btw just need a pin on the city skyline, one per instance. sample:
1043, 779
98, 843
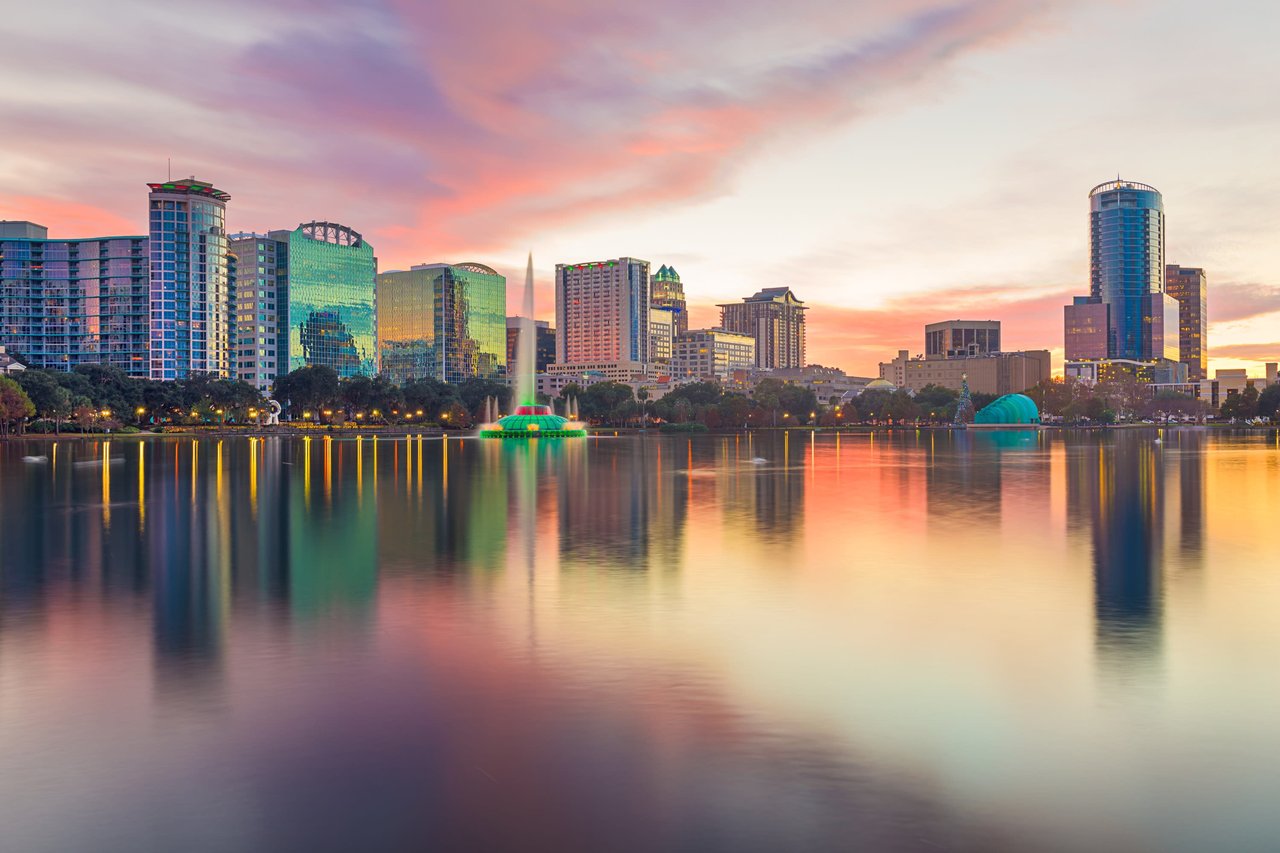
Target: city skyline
817, 167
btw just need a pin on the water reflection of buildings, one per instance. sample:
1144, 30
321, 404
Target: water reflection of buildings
759, 482
621, 504
441, 508
1117, 485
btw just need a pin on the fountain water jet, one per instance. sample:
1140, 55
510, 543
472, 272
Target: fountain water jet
531, 419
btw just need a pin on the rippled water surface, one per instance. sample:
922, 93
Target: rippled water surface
907, 641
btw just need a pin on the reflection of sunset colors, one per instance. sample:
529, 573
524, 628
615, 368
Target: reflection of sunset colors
866, 154
744, 641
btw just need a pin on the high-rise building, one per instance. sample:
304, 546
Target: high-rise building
1188, 285
602, 313
961, 338
191, 299
1127, 316
775, 318
662, 334
69, 302
711, 353
1126, 264
544, 344
668, 293
442, 321
332, 312
262, 307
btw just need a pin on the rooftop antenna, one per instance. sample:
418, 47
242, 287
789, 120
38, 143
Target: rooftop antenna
169, 160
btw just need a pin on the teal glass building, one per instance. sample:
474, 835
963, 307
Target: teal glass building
442, 321
332, 313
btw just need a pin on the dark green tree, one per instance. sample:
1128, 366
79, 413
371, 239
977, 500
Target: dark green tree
307, 389
429, 396
606, 402
1269, 401
1241, 405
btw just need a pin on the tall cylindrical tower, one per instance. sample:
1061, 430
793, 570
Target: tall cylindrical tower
1126, 259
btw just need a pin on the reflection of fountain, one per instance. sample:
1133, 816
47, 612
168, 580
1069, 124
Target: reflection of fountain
531, 419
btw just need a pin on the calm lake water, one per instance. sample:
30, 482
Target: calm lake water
907, 641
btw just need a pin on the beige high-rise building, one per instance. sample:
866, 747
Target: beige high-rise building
775, 318
602, 313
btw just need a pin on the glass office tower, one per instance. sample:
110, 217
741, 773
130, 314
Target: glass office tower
442, 321
191, 298
1126, 264
332, 314
69, 302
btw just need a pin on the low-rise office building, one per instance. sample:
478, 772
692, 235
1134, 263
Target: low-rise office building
992, 373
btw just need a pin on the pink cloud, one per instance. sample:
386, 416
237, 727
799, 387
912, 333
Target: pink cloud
68, 219
448, 129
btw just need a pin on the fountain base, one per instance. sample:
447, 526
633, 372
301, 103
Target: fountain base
533, 422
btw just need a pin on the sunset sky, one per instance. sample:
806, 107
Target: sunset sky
895, 162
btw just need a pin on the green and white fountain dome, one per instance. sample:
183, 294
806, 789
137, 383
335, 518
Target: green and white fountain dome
535, 421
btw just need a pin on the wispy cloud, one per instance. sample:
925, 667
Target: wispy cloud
1240, 301
440, 128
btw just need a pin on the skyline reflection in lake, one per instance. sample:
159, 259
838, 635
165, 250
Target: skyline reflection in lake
891, 641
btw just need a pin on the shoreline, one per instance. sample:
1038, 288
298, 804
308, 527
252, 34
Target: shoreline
471, 432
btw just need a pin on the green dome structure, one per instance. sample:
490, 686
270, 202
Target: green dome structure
1009, 410
534, 422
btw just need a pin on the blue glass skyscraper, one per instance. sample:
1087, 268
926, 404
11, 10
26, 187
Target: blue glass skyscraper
191, 293
1126, 264
1127, 315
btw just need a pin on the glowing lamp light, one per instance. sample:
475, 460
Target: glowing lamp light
306, 416
328, 412
106, 413
532, 427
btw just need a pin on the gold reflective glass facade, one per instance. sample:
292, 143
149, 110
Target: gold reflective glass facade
442, 321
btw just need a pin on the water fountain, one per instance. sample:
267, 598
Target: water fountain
531, 419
